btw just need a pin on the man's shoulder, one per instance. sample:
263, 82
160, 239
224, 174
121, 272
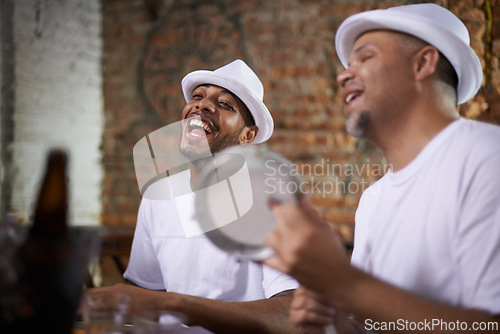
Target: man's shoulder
477, 139
479, 131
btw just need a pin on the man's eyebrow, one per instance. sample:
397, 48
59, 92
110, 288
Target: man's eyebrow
202, 85
230, 93
360, 48
225, 91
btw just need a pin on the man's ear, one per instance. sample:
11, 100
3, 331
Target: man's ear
426, 62
248, 134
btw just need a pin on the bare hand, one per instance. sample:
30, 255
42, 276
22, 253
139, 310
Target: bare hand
140, 299
311, 313
306, 247
309, 309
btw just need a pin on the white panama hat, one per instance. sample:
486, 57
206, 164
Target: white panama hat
429, 22
238, 78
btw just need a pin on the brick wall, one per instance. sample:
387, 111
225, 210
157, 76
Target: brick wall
51, 97
149, 45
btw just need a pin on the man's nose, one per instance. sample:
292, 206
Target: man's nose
206, 104
344, 77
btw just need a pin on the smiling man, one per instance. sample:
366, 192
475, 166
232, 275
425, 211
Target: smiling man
223, 108
426, 253
174, 266
232, 124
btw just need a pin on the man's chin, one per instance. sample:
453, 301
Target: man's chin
193, 153
356, 124
355, 131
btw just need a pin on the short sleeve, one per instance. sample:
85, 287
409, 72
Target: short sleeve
143, 268
361, 253
478, 238
275, 282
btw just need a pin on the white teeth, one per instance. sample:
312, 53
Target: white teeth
350, 97
201, 124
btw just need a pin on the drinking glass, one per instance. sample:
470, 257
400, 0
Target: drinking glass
105, 312
160, 322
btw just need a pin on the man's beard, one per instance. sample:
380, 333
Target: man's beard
218, 145
356, 124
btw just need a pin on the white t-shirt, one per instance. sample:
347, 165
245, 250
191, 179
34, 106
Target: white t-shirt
168, 254
433, 227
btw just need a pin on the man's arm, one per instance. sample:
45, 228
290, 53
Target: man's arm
260, 316
376, 303
312, 314
309, 250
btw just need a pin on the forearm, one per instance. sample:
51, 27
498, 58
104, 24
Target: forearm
261, 316
377, 303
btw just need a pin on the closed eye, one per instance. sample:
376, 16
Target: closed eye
363, 53
365, 58
197, 96
226, 105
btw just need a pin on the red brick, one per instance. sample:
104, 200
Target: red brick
337, 217
290, 45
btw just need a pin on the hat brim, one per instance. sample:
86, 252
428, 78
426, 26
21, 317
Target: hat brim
461, 56
259, 111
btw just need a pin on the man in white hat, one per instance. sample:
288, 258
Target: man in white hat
177, 269
427, 248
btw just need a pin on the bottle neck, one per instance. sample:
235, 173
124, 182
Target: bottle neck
51, 210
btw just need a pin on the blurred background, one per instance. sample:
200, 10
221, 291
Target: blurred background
95, 76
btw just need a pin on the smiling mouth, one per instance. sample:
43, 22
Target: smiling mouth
351, 97
199, 128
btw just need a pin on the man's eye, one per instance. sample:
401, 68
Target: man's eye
366, 57
226, 105
197, 96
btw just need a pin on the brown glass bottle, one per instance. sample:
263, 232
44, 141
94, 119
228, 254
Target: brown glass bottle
52, 272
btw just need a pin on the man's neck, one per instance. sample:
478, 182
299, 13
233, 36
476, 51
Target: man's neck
196, 167
402, 144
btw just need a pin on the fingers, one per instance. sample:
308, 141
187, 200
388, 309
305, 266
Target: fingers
308, 299
305, 202
272, 203
275, 262
310, 309
303, 317
305, 246
312, 329
292, 228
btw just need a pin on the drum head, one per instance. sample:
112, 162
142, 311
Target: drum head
232, 198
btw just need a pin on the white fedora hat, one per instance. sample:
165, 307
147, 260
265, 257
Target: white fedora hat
238, 78
429, 22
